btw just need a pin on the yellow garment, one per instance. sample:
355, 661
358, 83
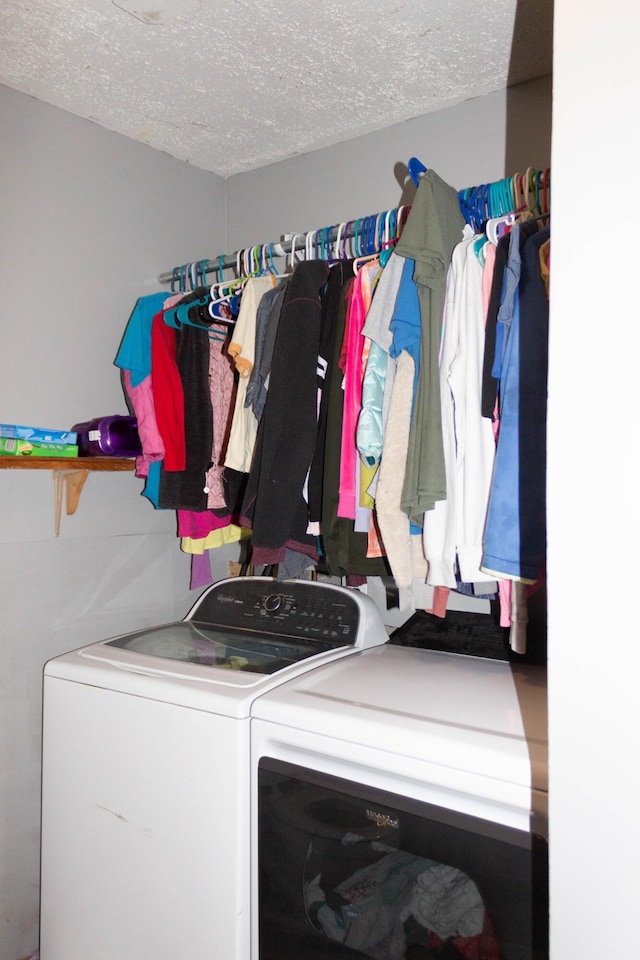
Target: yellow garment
545, 264
217, 538
367, 474
243, 341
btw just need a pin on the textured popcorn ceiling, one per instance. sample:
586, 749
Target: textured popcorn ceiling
231, 85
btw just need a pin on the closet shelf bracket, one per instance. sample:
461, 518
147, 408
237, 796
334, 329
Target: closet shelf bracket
69, 476
72, 481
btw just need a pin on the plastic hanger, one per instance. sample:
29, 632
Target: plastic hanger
308, 244
546, 187
294, 238
507, 199
267, 266
230, 287
339, 253
251, 262
372, 234
479, 244
392, 225
326, 240
183, 309
178, 315
366, 258
355, 239
403, 215
352, 240
529, 190
416, 168
266, 260
493, 224
379, 230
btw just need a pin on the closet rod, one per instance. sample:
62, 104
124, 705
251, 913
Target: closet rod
476, 204
298, 241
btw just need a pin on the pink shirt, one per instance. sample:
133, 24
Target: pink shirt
353, 346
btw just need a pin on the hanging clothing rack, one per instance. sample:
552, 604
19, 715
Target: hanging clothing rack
369, 235
367, 232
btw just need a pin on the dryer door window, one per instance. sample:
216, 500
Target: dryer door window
347, 871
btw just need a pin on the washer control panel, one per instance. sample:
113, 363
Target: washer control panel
292, 608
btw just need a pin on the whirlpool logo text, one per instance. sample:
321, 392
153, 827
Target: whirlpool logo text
382, 819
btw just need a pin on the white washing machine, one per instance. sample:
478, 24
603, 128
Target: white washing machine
145, 793
400, 806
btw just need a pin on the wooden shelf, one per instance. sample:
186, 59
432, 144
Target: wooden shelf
66, 463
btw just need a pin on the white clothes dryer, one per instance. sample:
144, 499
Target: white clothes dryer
399, 801
145, 792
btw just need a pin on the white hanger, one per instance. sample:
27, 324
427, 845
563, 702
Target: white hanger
294, 238
491, 226
308, 244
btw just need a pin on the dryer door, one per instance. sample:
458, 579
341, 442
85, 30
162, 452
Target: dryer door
347, 870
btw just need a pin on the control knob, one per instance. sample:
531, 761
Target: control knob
272, 603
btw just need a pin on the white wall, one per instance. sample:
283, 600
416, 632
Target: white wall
594, 451
475, 142
89, 220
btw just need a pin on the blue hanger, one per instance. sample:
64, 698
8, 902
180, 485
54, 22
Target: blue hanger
373, 229
463, 202
366, 236
203, 272
507, 197
415, 168
478, 202
393, 223
178, 316
364, 232
343, 243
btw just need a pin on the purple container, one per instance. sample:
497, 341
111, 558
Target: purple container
115, 436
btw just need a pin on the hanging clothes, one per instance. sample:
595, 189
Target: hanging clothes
134, 360
345, 549
340, 277
453, 531
431, 232
134, 353
183, 489
267, 320
274, 506
515, 537
379, 373
355, 417
489, 381
404, 549
244, 425
221, 390
351, 365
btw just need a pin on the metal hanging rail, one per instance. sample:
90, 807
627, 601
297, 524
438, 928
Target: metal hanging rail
369, 235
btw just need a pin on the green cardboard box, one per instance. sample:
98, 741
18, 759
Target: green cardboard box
10, 447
